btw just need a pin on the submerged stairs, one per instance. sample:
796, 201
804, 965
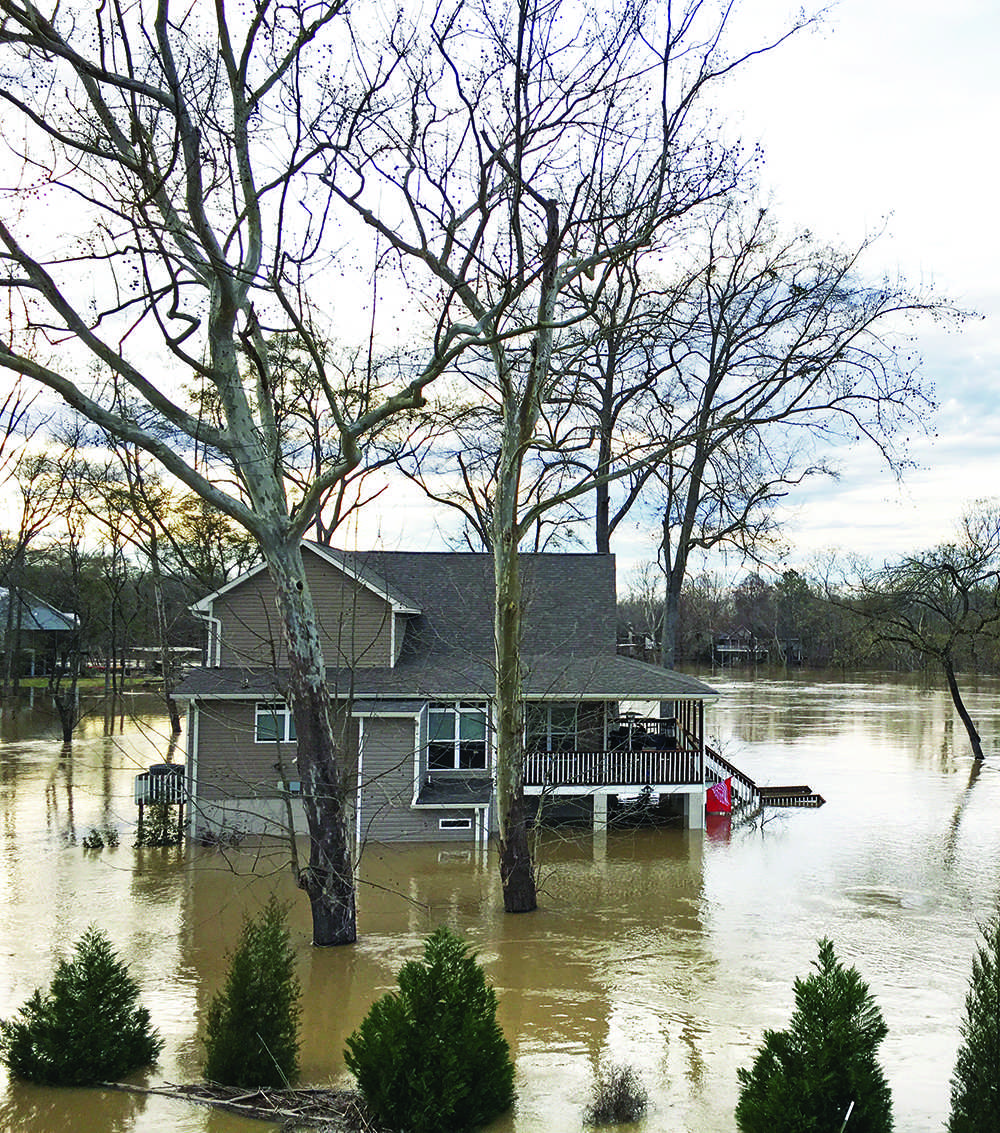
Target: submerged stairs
747, 794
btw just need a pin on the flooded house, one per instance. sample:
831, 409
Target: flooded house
408, 641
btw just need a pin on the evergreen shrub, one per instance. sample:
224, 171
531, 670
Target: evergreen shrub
89, 1028
252, 1029
432, 1057
975, 1086
161, 826
618, 1097
806, 1077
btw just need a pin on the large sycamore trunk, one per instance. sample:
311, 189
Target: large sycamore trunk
517, 871
328, 879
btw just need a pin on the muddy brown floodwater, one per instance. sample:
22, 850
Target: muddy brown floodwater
667, 950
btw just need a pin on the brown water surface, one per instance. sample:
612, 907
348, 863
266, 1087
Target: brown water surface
668, 950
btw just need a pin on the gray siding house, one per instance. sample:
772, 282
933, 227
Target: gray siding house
408, 640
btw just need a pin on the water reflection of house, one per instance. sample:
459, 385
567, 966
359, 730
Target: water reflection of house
43, 636
409, 641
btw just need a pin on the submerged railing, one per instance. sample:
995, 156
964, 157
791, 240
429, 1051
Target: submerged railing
717, 768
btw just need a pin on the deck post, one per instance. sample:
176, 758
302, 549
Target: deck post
600, 811
694, 810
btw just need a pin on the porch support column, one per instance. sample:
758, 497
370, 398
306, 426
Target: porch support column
600, 812
599, 839
694, 810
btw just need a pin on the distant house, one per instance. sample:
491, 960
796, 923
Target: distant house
739, 646
408, 638
42, 635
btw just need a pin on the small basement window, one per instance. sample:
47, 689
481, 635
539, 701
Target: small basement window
454, 824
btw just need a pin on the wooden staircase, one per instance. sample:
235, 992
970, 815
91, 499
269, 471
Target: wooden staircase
746, 793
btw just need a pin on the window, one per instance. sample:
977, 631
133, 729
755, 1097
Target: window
551, 727
455, 824
273, 721
456, 736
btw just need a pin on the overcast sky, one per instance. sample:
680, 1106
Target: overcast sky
892, 111
885, 116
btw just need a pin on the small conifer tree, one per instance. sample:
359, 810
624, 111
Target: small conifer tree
89, 1028
807, 1077
975, 1087
432, 1056
253, 1023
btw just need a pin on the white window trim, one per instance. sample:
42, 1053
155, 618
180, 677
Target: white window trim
454, 824
278, 711
457, 707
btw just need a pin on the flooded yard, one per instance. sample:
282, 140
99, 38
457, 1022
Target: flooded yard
665, 949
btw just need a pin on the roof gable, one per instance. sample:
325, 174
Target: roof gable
340, 560
569, 599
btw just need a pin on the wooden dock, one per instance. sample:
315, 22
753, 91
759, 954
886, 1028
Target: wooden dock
789, 796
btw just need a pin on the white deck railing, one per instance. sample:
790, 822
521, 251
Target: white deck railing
717, 768
611, 768
161, 786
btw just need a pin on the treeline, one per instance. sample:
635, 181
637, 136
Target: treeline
791, 620
102, 539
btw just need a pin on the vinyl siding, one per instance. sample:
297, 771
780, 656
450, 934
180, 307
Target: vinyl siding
232, 765
387, 781
355, 624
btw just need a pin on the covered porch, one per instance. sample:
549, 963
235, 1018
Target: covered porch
657, 754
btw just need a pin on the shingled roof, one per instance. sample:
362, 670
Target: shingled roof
569, 600
569, 648
35, 613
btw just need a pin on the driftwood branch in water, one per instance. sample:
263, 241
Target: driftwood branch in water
333, 1111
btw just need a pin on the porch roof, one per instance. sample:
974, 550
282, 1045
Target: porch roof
463, 790
457, 677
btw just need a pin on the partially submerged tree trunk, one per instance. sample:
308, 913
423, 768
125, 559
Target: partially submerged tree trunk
328, 879
517, 869
67, 704
956, 699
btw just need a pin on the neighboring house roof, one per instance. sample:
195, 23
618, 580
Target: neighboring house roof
569, 647
36, 614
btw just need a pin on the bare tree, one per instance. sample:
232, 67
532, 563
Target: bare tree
941, 604
554, 153
767, 348
181, 146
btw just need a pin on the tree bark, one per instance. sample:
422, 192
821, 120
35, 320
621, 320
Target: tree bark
517, 873
166, 658
328, 879
675, 570
956, 697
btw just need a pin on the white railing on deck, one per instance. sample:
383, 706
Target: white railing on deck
718, 768
162, 784
607, 768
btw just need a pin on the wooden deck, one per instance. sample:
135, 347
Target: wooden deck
669, 767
